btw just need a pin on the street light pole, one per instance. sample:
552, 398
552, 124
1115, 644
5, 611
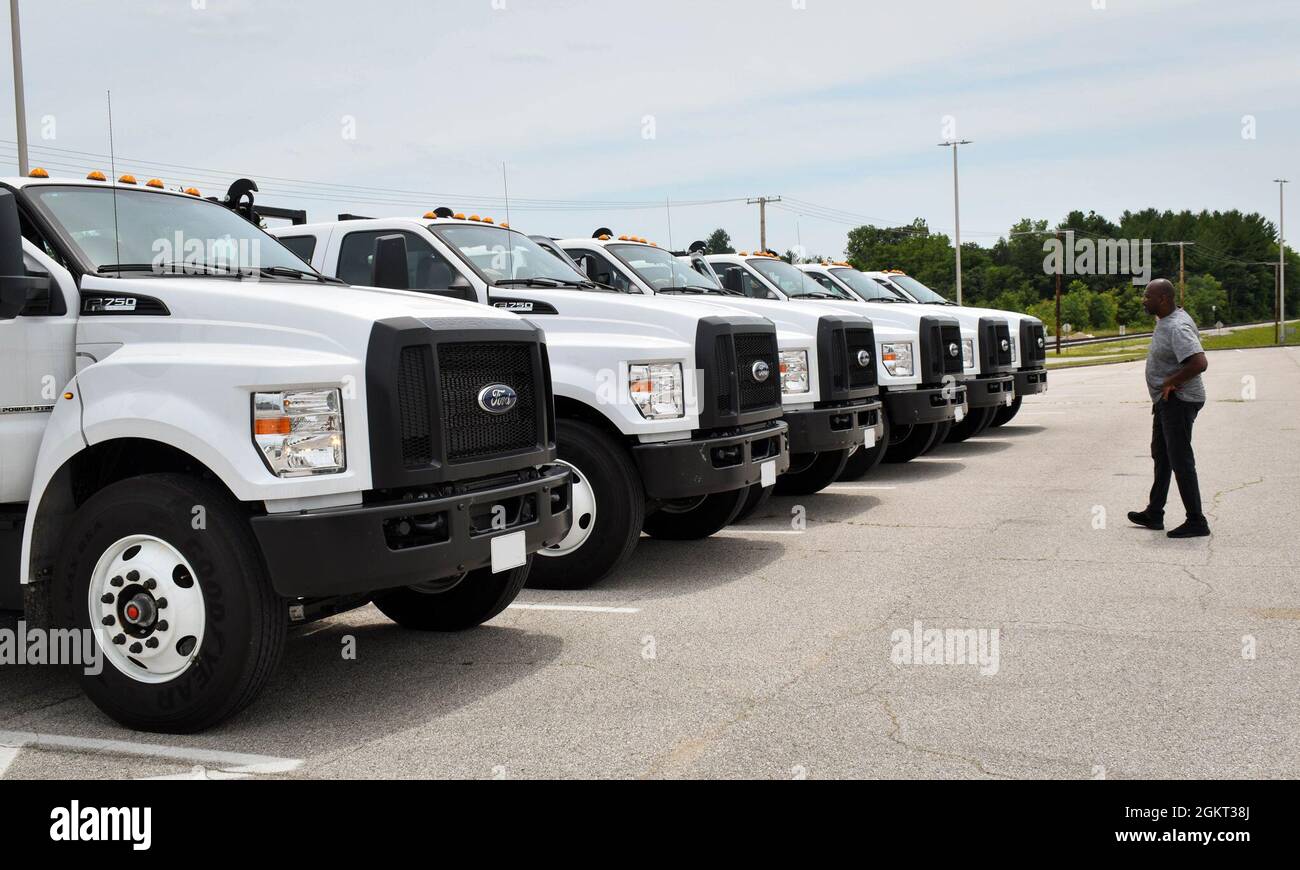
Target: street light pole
1281, 261
20, 106
956, 206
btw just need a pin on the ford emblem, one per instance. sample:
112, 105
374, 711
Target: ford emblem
760, 371
1040, 341
497, 398
1006, 345
864, 358
953, 349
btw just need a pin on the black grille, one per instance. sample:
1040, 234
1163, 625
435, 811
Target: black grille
751, 348
1031, 352
725, 361
858, 340
413, 406
1003, 335
949, 335
471, 432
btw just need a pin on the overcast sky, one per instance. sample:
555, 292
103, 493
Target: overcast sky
385, 107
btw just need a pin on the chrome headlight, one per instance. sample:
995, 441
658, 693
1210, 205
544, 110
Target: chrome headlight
656, 389
968, 353
794, 371
300, 432
897, 358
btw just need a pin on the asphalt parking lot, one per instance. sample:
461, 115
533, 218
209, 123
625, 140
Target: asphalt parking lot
770, 650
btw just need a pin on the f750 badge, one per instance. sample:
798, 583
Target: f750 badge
108, 304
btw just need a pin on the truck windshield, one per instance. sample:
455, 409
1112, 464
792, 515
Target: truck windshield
502, 255
917, 290
866, 287
157, 233
791, 281
662, 270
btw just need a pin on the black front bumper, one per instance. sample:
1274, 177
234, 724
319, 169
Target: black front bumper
820, 430
987, 391
1031, 381
371, 547
712, 462
924, 405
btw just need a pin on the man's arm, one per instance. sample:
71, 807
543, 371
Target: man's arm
1192, 366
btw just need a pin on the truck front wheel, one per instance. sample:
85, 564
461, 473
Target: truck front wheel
864, 460
1005, 413
975, 422
940, 435
755, 499
608, 511
910, 441
476, 598
695, 518
812, 472
163, 571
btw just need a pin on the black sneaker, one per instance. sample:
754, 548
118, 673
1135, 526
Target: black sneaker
1191, 529
1144, 519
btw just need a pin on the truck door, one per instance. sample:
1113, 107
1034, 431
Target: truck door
427, 270
37, 354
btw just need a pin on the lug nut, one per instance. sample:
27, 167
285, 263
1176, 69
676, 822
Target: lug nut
109, 620
133, 575
136, 648
120, 639
162, 625
151, 584
107, 598
116, 581
162, 603
152, 643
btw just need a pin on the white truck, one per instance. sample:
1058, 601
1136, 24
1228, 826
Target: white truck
828, 368
202, 441
983, 357
667, 414
1027, 337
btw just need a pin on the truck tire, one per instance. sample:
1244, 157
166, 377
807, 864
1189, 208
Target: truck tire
188, 626
864, 461
940, 435
974, 423
910, 441
479, 596
815, 472
756, 498
1005, 413
986, 423
608, 511
697, 518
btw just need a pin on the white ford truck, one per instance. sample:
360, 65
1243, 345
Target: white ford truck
1026, 336
203, 441
828, 365
667, 414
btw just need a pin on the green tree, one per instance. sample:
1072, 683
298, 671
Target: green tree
1205, 300
1076, 306
719, 242
1103, 310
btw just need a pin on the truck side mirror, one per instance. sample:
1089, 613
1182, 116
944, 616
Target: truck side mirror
732, 281
597, 273
389, 267
15, 283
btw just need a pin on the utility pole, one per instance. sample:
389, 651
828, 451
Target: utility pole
1281, 261
956, 211
762, 202
1182, 270
1060, 236
20, 105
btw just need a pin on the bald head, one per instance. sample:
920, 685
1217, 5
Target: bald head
1159, 298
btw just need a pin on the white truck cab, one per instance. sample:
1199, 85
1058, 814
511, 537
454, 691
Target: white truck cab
203, 440
667, 414
1027, 338
828, 367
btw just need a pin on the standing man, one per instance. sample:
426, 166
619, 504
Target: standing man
1174, 366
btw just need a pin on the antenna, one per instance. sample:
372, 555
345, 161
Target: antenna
510, 245
668, 206
112, 168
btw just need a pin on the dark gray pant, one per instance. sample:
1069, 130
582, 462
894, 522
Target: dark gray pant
1171, 448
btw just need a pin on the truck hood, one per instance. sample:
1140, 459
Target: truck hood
331, 318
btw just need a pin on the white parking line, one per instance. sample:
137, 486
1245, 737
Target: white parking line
575, 608
228, 762
741, 532
7, 756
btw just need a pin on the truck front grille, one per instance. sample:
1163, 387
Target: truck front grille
753, 348
413, 406
1033, 344
471, 432
856, 341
